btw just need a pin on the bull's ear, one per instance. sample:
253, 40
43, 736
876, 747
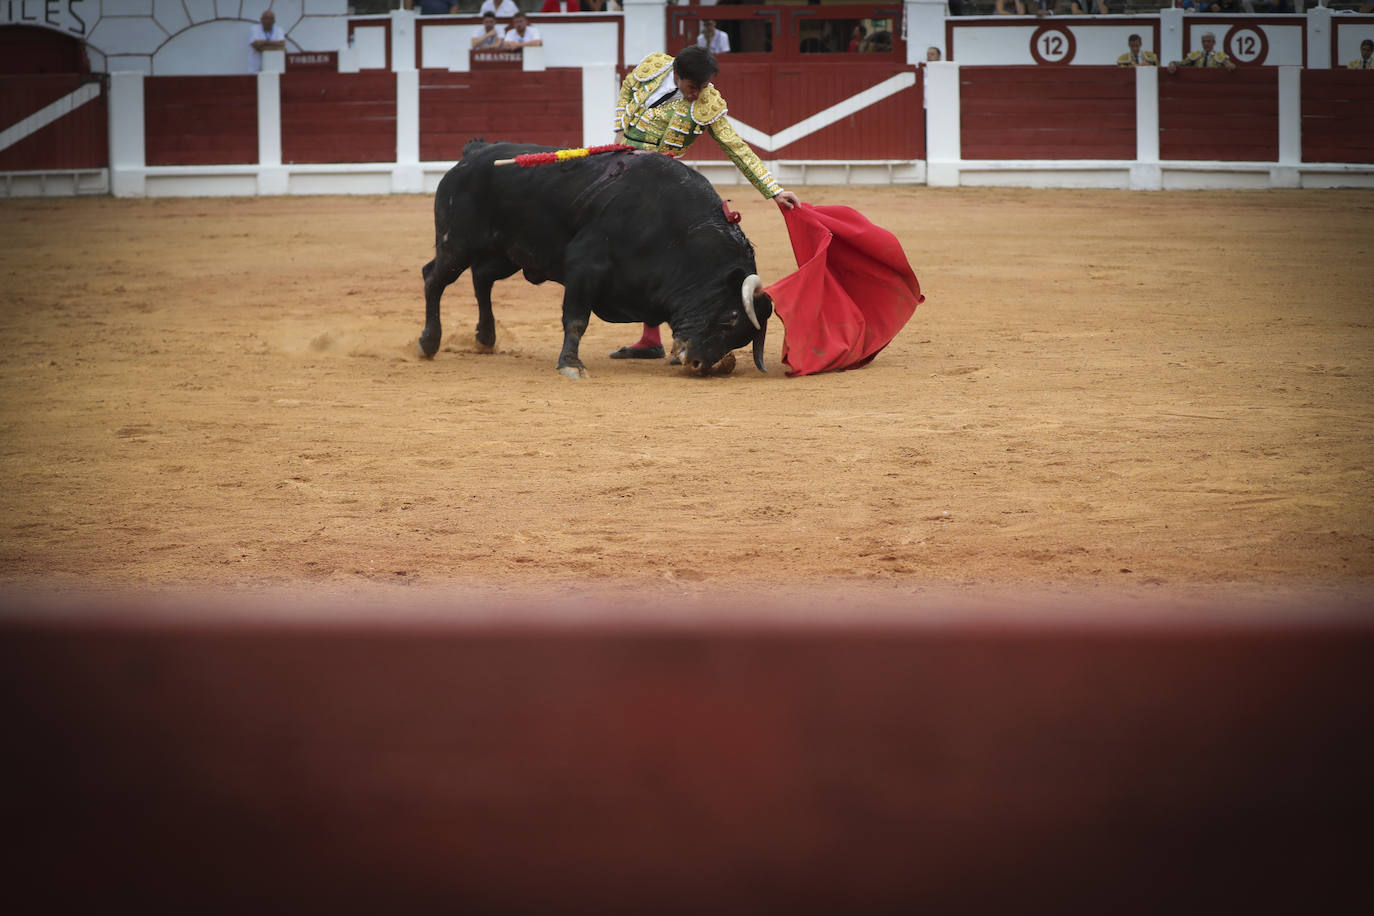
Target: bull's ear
735, 279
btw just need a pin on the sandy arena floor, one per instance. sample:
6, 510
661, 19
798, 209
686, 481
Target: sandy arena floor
1129, 396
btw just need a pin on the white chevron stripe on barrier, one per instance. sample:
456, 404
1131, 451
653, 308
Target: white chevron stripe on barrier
827, 116
48, 114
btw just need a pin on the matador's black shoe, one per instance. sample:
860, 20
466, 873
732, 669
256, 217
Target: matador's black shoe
655, 352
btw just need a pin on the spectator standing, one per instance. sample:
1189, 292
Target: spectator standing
521, 34
1135, 57
932, 53
1366, 59
856, 39
561, 6
1089, 8
501, 9
712, 38
1209, 56
488, 36
600, 6
264, 36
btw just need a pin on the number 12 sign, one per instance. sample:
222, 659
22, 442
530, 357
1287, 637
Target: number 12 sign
1052, 44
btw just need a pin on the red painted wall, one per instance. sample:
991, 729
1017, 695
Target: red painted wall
1337, 116
1228, 116
338, 117
773, 97
1047, 112
33, 50
79, 140
200, 120
535, 107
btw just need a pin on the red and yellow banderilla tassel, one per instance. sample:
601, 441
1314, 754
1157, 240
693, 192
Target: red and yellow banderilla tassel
562, 155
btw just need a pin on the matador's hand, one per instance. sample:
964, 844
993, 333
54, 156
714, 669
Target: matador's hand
787, 200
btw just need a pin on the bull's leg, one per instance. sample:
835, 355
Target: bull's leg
485, 273
438, 274
575, 320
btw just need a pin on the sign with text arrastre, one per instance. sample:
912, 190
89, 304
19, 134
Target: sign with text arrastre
497, 60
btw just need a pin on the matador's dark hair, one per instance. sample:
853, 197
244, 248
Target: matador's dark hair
695, 63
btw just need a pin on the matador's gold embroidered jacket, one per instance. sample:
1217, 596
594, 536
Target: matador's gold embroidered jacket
674, 125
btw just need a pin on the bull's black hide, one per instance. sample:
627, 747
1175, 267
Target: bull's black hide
631, 236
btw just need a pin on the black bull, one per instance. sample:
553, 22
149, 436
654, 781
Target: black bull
632, 237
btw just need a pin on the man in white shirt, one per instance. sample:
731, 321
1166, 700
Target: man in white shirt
487, 36
521, 34
264, 36
712, 38
501, 9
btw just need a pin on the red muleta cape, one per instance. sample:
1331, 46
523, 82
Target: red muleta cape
852, 292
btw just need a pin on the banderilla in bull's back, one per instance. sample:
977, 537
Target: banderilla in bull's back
562, 155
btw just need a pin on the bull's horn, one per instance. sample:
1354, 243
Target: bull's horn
752, 285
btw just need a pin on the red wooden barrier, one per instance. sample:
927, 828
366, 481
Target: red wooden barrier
78, 140
1047, 113
774, 97
503, 762
1216, 114
338, 117
532, 107
1337, 116
200, 120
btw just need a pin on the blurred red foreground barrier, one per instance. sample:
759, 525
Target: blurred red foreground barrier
614, 765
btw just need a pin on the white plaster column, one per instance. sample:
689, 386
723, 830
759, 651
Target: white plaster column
128, 153
1145, 172
943, 146
532, 58
646, 22
403, 39
348, 59
924, 21
1287, 174
271, 175
273, 61
599, 89
406, 177
1170, 36
1319, 39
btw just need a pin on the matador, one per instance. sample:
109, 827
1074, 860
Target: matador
665, 104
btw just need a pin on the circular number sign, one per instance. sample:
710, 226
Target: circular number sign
1247, 44
1052, 44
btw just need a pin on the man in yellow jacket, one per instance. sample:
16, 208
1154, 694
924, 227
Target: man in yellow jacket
1209, 56
665, 104
1366, 59
1135, 57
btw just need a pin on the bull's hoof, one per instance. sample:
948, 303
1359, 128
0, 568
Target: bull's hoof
484, 347
572, 372
429, 343
424, 354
